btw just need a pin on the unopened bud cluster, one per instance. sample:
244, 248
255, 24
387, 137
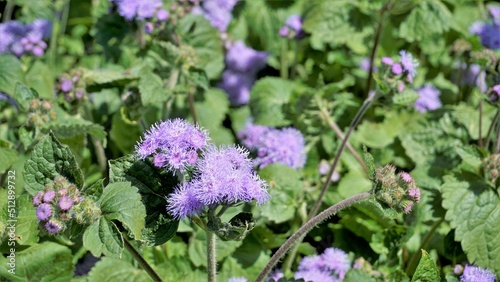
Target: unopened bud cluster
58, 203
398, 191
72, 86
40, 112
491, 167
399, 72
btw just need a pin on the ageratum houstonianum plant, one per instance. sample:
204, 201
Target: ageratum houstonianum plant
219, 178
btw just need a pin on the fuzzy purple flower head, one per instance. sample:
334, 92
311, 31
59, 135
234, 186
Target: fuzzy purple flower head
428, 99
37, 200
332, 265
237, 86
477, 274
173, 144
245, 59
222, 176
53, 226
217, 12
20, 39
49, 196
144, 9
43, 212
285, 146
292, 27
65, 203
409, 64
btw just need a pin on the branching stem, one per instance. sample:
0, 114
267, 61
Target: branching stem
308, 226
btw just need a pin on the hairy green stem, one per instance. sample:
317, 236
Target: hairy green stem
374, 49
7, 13
366, 104
480, 141
493, 125
412, 265
308, 226
284, 60
191, 105
142, 262
211, 256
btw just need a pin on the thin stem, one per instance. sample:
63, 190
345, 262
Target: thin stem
211, 256
142, 262
497, 140
64, 17
366, 104
284, 60
333, 125
308, 226
191, 105
102, 160
374, 49
9, 7
412, 265
480, 141
493, 124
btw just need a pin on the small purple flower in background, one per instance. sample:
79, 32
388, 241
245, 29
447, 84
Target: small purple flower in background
314, 276
409, 64
387, 61
140, 10
242, 65
162, 15
323, 169
237, 86
53, 226
66, 85
285, 146
415, 194
37, 200
173, 144
458, 269
149, 27
428, 99
292, 27
476, 274
331, 265
496, 92
275, 275
408, 206
365, 64
65, 203
494, 13
489, 33
217, 12
245, 59
49, 196
43, 212
397, 69
20, 39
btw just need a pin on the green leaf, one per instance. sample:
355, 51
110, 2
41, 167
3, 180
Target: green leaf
124, 135
106, 76
152, 89
416, 26
357, 275
48, 159
67, 127
27, 221
469, 117
44, 262
8, 157
120, 201
10, 73
23, 95
154, 185
474, 211
212, 112
268, 97
111, 269
284, 186
199, 34
353, 183
40, 78
426, 270
406, 98
103, 237
470, 157
263, 25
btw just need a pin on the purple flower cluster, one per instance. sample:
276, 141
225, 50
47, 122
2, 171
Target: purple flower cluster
174, 144
489, 32
428, 98
242, 65
407, 65
140, 10
332, 265
72, 86
477, 274
217, 12
292, 27
222, 176
20, 39
323, 169
54, 203
285, 146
